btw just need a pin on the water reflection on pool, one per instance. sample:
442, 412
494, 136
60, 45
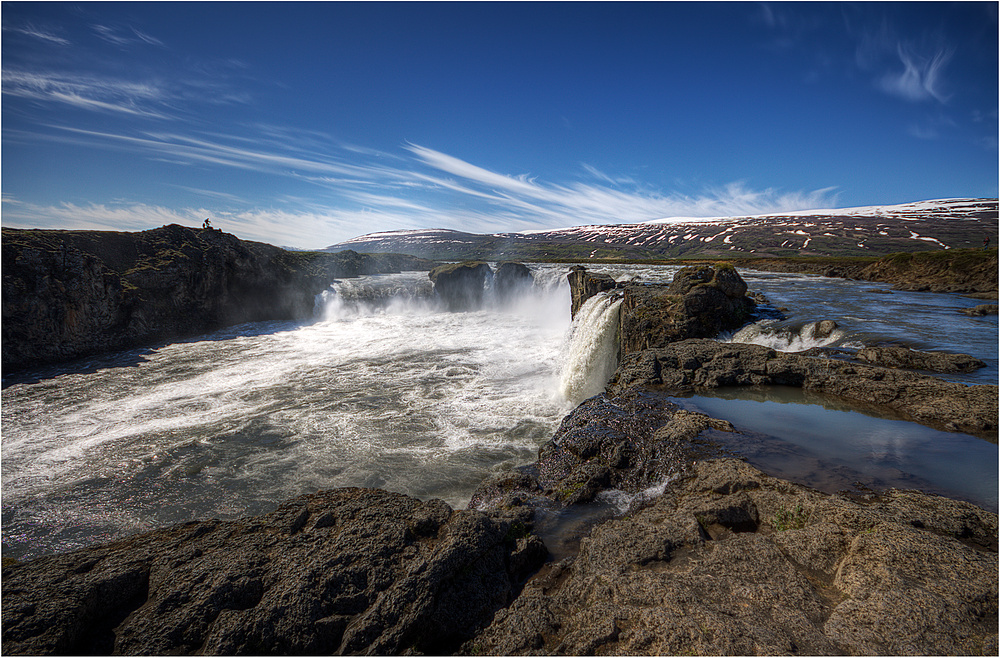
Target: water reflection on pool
831, 446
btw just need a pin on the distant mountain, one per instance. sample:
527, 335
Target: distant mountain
866, 231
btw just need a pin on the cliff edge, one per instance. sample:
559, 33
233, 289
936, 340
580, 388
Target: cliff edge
68, 294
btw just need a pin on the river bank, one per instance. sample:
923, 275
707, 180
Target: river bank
724, 546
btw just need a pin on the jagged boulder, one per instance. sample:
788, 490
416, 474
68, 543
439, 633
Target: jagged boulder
461, 285
511, 280
730, 561
346, 571
699, 303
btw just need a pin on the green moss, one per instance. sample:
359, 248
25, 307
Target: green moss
785, 519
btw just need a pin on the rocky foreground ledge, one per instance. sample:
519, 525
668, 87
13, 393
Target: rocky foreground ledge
727, 561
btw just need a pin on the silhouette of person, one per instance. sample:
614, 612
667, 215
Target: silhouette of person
207, 224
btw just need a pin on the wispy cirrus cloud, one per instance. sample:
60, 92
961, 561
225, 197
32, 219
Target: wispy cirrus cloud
124, 35
35, 32
86, 92
921, 77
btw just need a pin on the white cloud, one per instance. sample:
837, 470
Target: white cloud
38, 33
921, 77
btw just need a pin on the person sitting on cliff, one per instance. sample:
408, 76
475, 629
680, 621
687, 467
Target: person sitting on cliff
206, 224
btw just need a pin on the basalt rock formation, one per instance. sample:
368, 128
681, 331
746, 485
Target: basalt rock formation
68, 294
699, 303
690, 364
509, 279
461, 285
730, 561
347, 571
583, 285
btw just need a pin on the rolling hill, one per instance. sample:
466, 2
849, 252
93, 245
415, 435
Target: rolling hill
865, 231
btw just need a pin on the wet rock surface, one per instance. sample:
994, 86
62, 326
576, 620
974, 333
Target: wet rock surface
511, 279
981, 309
690, 364
343, 571
461, 285
730, 561
626, 442
583, 285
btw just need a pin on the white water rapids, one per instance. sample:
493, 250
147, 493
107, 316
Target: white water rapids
383, 389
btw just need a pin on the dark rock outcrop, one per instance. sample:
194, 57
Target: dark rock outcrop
68, 294
583, 285
691, 364
347, 571
981, 309
627, 442
461, 285
511, 279
895, 356
699, 303
730, 561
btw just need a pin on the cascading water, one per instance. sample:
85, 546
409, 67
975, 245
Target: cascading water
592, 351
786, 338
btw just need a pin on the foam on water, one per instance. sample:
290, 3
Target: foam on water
771, 333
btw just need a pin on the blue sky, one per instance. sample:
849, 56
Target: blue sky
307, 124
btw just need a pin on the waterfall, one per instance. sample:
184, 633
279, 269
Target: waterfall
592, 350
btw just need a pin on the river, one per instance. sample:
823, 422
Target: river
386, 389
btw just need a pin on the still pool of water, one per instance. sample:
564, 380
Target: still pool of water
827, 444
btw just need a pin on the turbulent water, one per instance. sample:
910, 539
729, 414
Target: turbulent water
384, 388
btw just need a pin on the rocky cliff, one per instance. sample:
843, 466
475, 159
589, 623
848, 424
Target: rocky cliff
72, 293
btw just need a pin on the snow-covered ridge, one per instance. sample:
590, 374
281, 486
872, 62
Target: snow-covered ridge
910, 211
940, 223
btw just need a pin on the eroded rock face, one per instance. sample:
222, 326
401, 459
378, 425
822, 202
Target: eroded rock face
627, 442
583, 285
461, 285
343, 571
688, 364
701, 302
733, 562
511, 279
